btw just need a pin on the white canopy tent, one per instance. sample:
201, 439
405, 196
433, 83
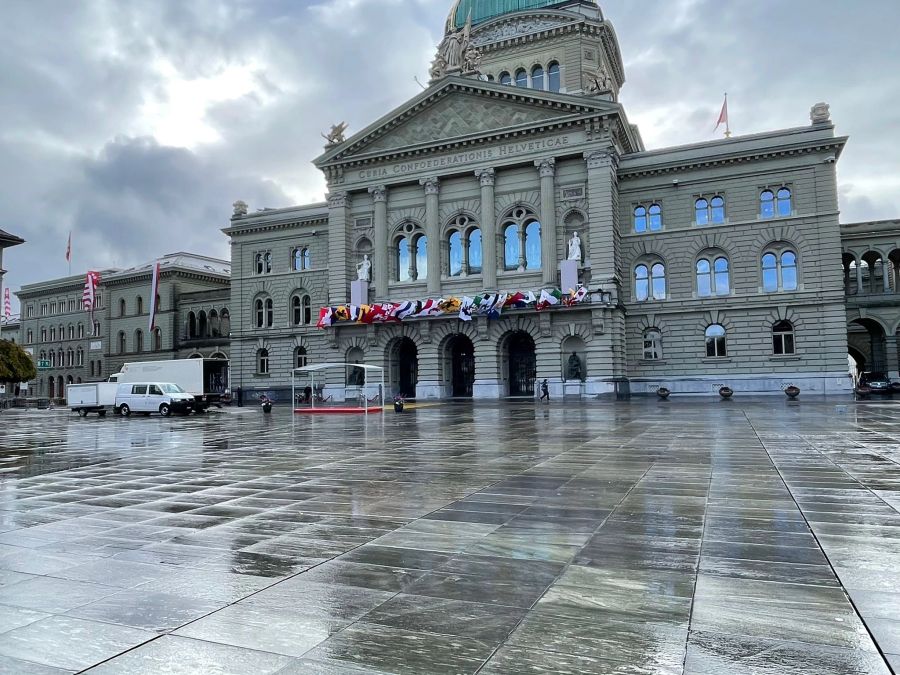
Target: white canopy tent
320, 369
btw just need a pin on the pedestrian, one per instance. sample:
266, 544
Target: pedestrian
545, 390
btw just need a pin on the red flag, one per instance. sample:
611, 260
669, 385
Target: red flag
69, 249
154, 294
723, 118
88, 297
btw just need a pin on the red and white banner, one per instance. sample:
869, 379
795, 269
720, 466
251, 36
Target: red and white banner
154, 295
89, 296
7, 304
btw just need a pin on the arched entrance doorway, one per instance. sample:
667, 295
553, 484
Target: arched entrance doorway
521, 363
461, 366
867, 345
51, 387
404, 367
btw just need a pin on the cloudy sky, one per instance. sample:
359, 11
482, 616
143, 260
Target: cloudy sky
135, 125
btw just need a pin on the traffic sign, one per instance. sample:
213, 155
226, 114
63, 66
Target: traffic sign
43, 364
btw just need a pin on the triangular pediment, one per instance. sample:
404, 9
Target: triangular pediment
459, 110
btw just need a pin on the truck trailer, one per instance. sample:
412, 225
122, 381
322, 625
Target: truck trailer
95, 397
205, 379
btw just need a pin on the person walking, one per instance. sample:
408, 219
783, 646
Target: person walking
545, 390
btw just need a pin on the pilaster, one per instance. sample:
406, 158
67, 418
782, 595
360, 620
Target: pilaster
603, 210
338, 218
547, 170
433, 232
488, 229
380, 245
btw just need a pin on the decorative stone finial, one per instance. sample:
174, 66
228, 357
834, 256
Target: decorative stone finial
820, 113
240, 208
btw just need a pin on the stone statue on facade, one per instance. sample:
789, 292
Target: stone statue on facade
820, 113
574, 371
240, 208
456, 54
364, 269
575, 247
601, 81
336, 135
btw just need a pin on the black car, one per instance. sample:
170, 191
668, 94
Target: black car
879, 383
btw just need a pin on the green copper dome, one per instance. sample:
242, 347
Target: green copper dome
482, 10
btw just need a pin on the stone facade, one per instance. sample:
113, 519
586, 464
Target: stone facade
471, 156
55, 327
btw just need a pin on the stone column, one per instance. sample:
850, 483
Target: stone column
891, 356
488, 230
433, 232
547, 170
380, 245
859, 283
886, 275
338, 217
603, 201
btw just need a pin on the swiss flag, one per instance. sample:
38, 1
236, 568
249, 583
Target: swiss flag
723, 116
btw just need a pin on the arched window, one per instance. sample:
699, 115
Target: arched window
655, 212
779, 271
537, 77
640, 219
775, 203
652, 350
122, 307
716, 341
553, 79
80, 330
138, 341
262, 362
192, 325
51, 357
262, 309
403, 259
522, 241
474, 243
96, 332
300, 357
70, 357
140, 305
92, 369
709, 211
157, 339
215, 329
301, 310
270, 313
30, 338
267, 258
641, 283
647, 219
307, 259
505, 78
533, 245
297, 260
421, 257
456, 254
511, 247
783, 338
122, 346
258, 262
202, 325
79, 357
712, 277
43, 334
52, 333
783, 206
521, 78
225, 322
71, 332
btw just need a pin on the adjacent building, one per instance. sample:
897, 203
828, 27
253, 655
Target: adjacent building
707, 264
72, 345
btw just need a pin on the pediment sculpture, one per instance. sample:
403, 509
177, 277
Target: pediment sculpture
336, 135
457, 54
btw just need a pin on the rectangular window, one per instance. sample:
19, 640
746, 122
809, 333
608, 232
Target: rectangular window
140, 389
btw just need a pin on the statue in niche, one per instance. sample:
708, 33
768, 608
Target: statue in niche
574, 371
364, 269
575, 247
356, 378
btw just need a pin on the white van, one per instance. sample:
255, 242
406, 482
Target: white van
150, 397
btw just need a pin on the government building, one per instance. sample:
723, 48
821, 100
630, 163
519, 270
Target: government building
506, 227
706, 264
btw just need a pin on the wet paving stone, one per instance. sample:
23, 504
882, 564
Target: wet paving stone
604, 537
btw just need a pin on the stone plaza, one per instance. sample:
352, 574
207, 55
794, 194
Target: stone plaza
755, 535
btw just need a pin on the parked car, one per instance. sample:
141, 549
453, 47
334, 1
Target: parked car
878, 383
150, 397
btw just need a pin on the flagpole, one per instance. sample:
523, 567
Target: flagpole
727, 127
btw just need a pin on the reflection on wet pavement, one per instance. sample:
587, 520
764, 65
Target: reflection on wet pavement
688, 536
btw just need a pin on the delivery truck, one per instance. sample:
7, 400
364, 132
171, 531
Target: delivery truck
95, 397
205, 379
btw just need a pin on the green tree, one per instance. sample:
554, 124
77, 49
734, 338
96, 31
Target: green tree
15, 363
